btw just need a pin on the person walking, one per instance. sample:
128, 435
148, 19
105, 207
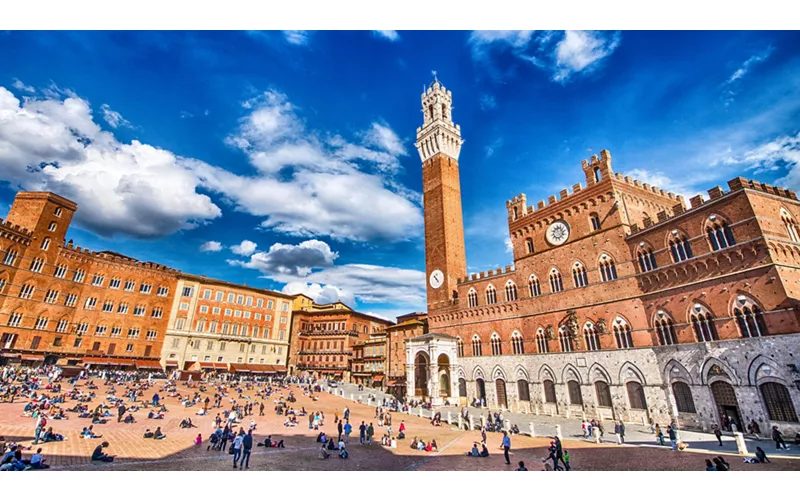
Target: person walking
673, 437
621, 431
237, 447
560, 452
718, 434
362, 432
37, 432
777, 436
370, 433
506, 446
247, 448
340, 428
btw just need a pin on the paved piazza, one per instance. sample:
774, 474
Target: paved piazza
177, 451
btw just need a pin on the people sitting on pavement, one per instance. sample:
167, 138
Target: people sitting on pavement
323, 453
99, 455
474, 452
148, 434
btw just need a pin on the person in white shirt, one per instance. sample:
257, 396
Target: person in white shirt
237, 448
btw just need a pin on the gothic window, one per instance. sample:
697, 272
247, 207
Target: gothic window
541, 342
665, 329
719, 234
590, 337
679, 247
565, 340
778, 402
791, 225
636, 396
574, 390
472, 297
516, 212
597, 175
556, 285
622, 334
749, 318
491, 295
594, 220
603, 394
511, 291
476, 346
517, 343
647, 260
534, 286
608, 271
703, 324
460, 347
529, 244
497, 347
549, 391
579, 275
683, 397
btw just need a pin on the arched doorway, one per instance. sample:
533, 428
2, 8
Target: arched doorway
462, 387
502, 400
480, 389
523, 390
727, 405
443, 363
421, 363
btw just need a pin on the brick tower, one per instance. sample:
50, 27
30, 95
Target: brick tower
439, 144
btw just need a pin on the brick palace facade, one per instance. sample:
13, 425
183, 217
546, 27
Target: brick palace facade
622, 302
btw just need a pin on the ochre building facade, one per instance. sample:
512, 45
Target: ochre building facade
622, 301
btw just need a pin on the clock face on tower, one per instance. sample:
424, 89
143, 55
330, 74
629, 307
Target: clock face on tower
557, 233
437, 279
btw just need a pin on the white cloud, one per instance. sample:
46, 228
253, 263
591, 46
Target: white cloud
375, 284
53, 144
297, 37
113, 118
563, 54
286, 262
211, 246
663, 181
730, 86
17, 84
390, 35
509, 246
487, 102
493, 146
245, 248
321, 294
318, 184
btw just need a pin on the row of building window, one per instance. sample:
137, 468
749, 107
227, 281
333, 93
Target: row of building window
236, 313
198, 344
232, 298
8, 341
227, 328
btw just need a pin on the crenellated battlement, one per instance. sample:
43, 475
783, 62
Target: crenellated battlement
77, 252
491, 273
647, 187
16, 228
696, 202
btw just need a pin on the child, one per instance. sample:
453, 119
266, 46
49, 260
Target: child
566, 460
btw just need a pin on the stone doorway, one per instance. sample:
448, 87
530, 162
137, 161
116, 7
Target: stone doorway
502, 399
727, 405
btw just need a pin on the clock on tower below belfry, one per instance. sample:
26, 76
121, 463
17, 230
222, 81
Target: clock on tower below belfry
439, 144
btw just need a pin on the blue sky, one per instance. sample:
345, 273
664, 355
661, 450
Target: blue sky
286, 159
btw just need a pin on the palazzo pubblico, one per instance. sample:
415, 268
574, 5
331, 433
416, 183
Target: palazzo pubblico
622, 301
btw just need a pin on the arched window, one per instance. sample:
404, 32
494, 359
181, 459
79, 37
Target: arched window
516, 212
683, 397
679, 247
491, 295
476, 346
749, 318
778, 402
608, 271
517, 344
534, 286
603, 394
529, 244
622, 334
597, 175
497, 347
703, 324
594, 221
575, 396
541, 342
579, 275
549, 391
590, 337
45, 243
646, 258
460, 346
665, 329
719, 234
556, 285
636, 396
565, 340
791, 225
472, 297
511, 291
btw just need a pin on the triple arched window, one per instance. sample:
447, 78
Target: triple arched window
472, 298
622, 333
590, 337
565, 340
541, 342
511, 291
556, 284
703, 324
497, 346
534, 286
608, 271
679, 247
460, 347
647, 259
749, 318
491, 295
665, 329
476, 346
517, 344
579, 275
719, 234
791, 225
